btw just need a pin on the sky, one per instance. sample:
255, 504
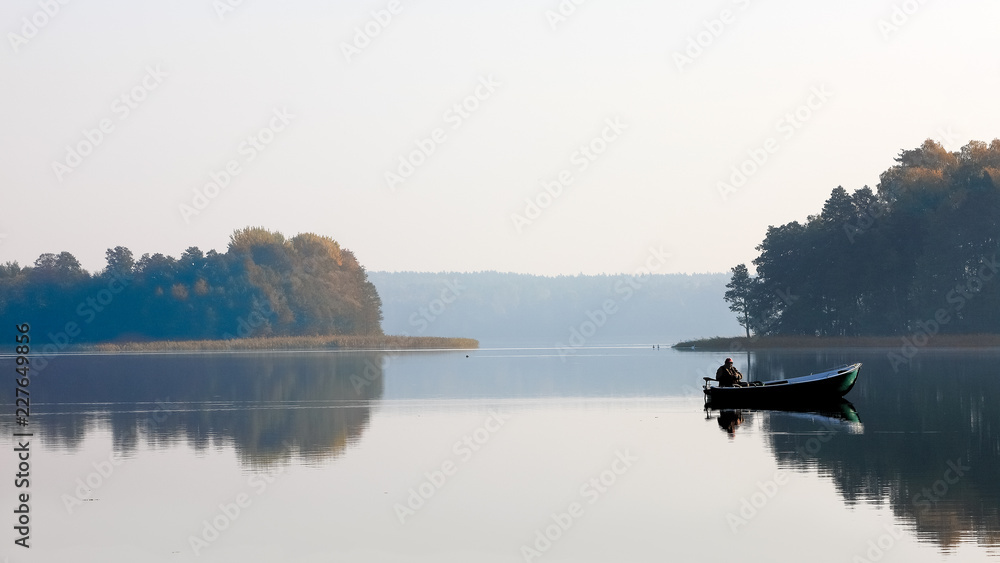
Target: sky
549, 137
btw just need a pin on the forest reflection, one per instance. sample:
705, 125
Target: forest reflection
269, 407
929, 447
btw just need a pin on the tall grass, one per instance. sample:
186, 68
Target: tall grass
721, 343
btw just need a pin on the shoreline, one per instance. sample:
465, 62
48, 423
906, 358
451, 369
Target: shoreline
285, 344
738, 343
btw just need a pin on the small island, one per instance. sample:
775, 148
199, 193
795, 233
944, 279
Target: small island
265, 292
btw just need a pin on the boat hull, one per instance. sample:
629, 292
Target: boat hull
826, 387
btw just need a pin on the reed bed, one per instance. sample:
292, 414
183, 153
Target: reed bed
728, 344
337, 342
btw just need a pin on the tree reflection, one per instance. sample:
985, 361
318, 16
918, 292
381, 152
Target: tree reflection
930, 448
268, 407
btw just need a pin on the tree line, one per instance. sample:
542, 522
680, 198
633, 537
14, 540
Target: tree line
919, 254
263, 285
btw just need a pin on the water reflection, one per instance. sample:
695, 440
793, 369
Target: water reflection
828, 413
729, 420
268, 407
930, 448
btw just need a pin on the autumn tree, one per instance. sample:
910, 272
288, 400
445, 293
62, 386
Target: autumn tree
306, 285
923, 245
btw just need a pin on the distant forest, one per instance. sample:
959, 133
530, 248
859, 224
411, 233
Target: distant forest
263, 285
506, 309
917, 256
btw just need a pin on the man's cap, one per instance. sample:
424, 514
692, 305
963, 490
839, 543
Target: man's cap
729, 360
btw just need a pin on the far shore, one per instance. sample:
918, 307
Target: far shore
737, 343
287, 343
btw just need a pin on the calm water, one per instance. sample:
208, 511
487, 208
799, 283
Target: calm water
505, 455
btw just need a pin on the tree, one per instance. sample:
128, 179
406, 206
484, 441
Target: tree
120, 261
62, 269
304, 285
923, 246
740, 296
10, 269
839, 209
46, 261
192, 260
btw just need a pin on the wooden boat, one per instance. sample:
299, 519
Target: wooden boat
828, 386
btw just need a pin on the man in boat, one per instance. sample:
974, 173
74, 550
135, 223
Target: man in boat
728, 376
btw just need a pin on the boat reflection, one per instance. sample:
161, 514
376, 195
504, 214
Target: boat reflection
823, 413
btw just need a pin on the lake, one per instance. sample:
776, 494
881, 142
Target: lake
598, 454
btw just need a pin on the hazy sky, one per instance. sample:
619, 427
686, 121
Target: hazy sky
631, 112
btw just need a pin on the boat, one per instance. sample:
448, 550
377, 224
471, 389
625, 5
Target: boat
816, 388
